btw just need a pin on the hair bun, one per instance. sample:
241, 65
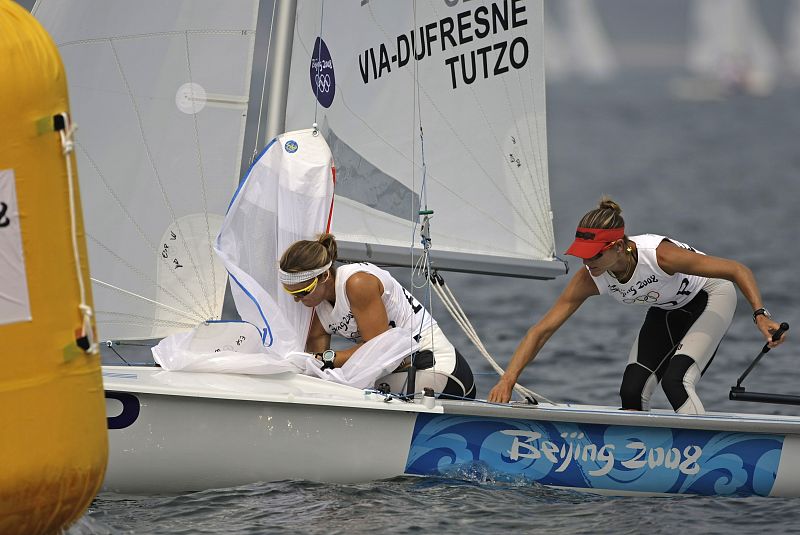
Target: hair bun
606, 203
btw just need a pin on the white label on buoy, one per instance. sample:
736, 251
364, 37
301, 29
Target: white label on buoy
14, 302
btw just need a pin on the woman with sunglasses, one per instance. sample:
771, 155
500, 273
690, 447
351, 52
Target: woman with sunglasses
691, 298
359, 302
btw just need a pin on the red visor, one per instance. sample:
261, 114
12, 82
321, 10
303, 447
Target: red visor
590, 241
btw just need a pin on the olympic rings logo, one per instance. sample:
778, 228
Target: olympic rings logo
323, 82
649, 297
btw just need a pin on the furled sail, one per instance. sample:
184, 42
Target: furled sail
159, 91
431, 105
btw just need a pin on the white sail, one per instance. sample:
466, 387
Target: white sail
792, 40
472, 75
159, 91
589, 50
556, 53
728, 43
286, 197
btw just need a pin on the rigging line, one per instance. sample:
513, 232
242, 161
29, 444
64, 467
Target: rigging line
263, 83
149, 153
67, 149
200, 166
451, 304
148, 324
142, 276
319, 50
143, 298
414, 118
111, 347
425, 259
142, 319
141, 233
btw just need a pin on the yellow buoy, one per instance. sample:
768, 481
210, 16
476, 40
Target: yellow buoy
53, 439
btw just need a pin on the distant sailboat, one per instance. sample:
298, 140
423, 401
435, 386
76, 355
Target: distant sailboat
729, 52
792, 41
579, 46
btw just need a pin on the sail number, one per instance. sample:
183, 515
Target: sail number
4, 220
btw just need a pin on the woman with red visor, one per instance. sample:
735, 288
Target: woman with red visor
691, 299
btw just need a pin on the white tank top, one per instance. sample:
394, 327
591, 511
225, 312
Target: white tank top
650, 285
402, 309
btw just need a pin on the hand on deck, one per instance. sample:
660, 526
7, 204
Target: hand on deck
501, 393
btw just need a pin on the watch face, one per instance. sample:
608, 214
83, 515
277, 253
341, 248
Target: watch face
328, 355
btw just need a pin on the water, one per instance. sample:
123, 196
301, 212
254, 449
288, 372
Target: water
721, 176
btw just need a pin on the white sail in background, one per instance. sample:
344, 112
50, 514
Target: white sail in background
474, 78
556, 54
792, 40
589, 50
159, 91
728, 43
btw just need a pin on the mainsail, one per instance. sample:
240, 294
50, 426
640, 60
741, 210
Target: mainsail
431, 105
428, 105
159, 91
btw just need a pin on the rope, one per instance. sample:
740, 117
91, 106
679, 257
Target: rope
117, 288
451, 304
67, 148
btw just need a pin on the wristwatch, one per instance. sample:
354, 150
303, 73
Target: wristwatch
761, 312
328, 357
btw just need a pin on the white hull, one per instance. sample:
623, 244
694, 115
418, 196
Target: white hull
173, 431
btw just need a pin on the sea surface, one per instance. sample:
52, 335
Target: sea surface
723, 176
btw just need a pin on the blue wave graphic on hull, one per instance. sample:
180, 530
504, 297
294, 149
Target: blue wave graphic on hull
593, 456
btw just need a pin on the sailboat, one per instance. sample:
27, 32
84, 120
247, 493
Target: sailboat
729, 52
429, 109
579, 46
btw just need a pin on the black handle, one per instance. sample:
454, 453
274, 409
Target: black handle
782, 329
764, 350
776, 336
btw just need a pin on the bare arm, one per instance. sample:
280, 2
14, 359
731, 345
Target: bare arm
580, 288
364, 293
318, 340
673, 259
